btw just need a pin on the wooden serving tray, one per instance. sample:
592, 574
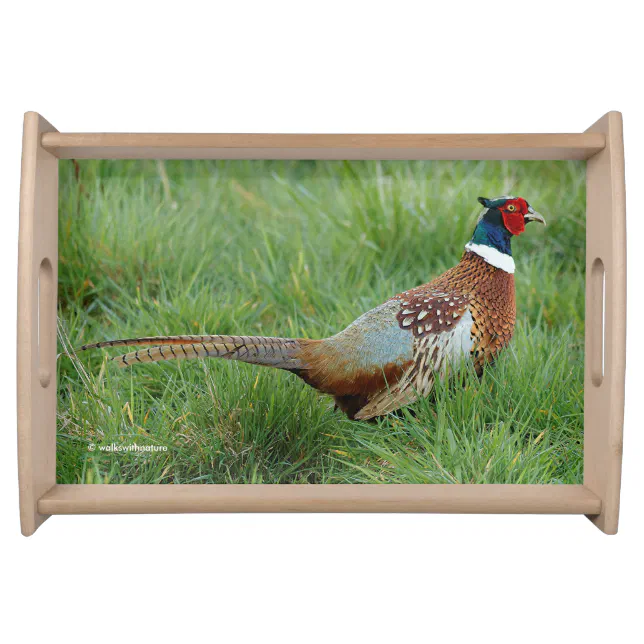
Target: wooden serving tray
605, 349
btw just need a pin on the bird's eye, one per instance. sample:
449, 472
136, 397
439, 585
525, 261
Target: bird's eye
511, 208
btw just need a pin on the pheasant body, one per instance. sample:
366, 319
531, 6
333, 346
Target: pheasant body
392, 354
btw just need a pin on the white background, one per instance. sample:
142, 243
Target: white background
322, 67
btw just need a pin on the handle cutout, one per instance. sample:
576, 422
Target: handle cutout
45, 322
597, 322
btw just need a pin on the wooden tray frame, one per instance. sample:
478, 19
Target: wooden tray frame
598, 497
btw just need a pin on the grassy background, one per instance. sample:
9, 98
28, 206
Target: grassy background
301, 249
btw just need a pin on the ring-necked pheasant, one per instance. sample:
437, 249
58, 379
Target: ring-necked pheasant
391, 355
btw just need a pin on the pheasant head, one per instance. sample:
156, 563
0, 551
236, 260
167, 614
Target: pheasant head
503, 218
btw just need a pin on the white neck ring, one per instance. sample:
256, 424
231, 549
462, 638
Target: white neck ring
492, 256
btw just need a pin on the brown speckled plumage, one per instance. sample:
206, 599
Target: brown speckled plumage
474, 285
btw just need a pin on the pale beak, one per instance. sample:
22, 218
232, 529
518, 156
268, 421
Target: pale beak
533, 215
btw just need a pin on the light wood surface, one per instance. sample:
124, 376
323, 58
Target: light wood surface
323, 146
604, 395
483, 499
36, 359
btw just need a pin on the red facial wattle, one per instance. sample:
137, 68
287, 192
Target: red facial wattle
514, 222
513, 213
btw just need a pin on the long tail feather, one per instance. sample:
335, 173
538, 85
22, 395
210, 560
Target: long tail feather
282, 353
155, 340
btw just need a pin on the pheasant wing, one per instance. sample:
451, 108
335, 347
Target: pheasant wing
441, 324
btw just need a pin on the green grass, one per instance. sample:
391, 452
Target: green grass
301, 249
